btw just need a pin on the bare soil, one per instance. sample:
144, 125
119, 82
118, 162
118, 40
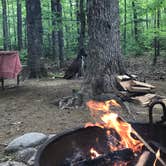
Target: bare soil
30, 108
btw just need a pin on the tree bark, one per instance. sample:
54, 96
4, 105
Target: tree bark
19, 24
104, 59
60, 34
5, 26
34, 37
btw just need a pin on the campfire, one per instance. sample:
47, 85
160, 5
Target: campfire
109, 142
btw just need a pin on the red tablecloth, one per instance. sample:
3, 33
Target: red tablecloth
10, 64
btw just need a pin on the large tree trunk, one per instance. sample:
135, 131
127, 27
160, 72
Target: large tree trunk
19, 24
104, 57
60, 34
34, 37
82, 27
5, 26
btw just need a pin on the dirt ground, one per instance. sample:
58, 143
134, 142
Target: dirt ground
30, 108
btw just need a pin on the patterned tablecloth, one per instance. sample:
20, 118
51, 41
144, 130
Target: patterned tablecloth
10, 65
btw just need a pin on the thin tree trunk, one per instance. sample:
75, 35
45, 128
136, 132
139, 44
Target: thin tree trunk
77, 17
14, 26
125, 21
5, 26
82, 27
54, 31
8, 24
104, 57
19, 24
67, 32
156, 38
147, 19
60, 34
34, 36
71, 9
49, 25
25, 34
135, 21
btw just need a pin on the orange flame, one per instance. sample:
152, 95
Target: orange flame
111, 120
94, 153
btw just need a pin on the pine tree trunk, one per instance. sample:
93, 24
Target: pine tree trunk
19, 24
5, 26
104, 58
60, 34
34, 37
82, 27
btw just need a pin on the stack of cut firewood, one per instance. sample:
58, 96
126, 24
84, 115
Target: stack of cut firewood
131, 85
138, 91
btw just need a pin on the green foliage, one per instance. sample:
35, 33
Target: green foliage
23, 56
145, 10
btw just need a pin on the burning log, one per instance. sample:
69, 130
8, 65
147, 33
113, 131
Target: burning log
144, 159
125, 155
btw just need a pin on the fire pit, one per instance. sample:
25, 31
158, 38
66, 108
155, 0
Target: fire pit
73, 147
110, 142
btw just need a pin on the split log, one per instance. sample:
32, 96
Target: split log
125, 77
139, 89
141, 84
145, 99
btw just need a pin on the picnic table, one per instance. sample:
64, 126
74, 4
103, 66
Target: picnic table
10, 66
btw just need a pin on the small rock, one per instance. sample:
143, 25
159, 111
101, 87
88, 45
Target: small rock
12, 163
25, 155
25, 141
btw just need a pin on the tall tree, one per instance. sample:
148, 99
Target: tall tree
19, 24
125, 24
156, 38
104, 57
82, 27
34, 37
60, 34
5, 26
